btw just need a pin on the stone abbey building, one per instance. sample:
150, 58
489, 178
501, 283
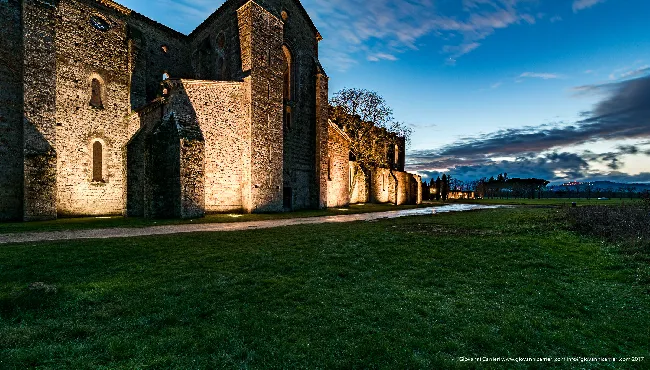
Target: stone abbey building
106, 112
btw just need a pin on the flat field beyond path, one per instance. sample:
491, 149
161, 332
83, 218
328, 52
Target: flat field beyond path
416, 292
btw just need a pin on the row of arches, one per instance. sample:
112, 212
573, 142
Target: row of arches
288, 76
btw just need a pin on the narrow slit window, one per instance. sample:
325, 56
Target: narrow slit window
98, 162
287, 78
287, 118
396, 155
286, 86
96, 94
329, 168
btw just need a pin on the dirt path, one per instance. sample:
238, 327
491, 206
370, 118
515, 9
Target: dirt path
223, 227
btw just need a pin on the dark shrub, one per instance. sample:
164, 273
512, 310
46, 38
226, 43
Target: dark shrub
627, 226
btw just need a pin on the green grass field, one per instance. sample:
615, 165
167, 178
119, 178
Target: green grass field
416, 292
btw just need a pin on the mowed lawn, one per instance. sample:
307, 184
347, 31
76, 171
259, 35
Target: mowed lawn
417, 292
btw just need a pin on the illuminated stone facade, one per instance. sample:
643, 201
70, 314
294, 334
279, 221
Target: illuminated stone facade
106, 112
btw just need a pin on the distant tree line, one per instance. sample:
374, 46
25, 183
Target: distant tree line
589, 191
503, 187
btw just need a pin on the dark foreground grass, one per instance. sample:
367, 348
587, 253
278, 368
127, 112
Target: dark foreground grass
416, 292
83, 223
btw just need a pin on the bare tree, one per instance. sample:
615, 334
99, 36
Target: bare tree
368, 121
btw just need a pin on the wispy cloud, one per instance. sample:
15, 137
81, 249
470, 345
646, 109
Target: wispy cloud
381, 56
460, 50
386, 27
636, 72
181, 15
380, 30
579, 5
638, 68
543, 76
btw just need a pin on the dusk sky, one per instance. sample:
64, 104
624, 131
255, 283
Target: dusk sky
557, 89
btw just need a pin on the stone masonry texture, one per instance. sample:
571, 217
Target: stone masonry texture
106, 112
11, 110
338, 168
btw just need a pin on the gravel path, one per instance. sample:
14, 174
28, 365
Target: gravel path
223, 227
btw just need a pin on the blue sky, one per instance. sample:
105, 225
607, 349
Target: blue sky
528, 87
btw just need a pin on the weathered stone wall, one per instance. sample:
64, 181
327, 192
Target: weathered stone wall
305, 146
166, 165
129, 61
209, 59
221, 110
322, 143
359, 185
74, 47
382, 186
192, 173
338, 171
261, 44
154, 50
11, 110
137, 152
84, 53
253, 47
163, 171
220, 159
39, 124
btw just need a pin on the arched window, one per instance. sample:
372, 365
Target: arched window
221, 57
207, 69
98, 162
286, 86
287, 117
396, 155
287, 77
221, 41
96, 93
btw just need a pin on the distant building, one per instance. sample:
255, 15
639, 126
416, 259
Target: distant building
469, 194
